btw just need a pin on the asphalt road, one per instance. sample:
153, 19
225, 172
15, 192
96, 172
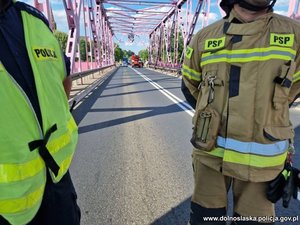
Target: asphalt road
133, 162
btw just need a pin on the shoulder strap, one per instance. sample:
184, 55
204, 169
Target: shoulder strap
21, 6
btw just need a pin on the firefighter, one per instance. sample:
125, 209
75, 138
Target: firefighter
38, 134
241, 74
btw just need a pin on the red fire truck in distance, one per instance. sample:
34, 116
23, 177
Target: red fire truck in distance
136, 62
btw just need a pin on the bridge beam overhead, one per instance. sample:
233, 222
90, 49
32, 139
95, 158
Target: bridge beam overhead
176, 27
86, 19
294, 9
166, 26
165, 22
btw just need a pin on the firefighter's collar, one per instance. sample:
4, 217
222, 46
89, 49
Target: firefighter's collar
243, 28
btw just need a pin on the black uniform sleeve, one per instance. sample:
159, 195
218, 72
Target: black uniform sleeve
188, 96
68, 64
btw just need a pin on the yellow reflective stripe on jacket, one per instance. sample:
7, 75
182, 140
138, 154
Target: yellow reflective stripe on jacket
219, 152
23, 203
22, 171
248, 55
190, 73
296, 77
58, 143
233, 156
254, 160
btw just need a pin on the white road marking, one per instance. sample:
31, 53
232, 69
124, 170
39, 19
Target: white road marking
77, 105
182, 104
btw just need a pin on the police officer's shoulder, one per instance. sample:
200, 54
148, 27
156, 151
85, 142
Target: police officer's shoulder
31, 10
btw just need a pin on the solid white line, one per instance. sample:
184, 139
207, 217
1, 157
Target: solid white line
182, 104
77, 105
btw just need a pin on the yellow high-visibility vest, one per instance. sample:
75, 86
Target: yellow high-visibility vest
22, 139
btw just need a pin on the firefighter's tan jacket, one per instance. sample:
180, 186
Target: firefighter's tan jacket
257, 68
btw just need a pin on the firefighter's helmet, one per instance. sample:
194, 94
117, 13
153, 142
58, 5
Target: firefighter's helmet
253, 5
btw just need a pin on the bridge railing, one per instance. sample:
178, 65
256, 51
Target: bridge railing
79, 75
175, 69
85, 82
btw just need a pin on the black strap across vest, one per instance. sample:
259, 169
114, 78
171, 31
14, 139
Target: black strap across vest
43, 150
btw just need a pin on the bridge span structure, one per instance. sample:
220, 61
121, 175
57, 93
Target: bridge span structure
168, 24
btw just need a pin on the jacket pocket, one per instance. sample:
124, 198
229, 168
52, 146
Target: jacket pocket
205, 131
283, 84
273, 133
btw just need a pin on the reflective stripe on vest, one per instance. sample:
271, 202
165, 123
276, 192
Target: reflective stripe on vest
251, 153
254, 160
190, 73
248, 55
23, 172
252, 147
296, 77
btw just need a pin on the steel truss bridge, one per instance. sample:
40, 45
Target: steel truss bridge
165, 22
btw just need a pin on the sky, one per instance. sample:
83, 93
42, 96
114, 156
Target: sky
141, 42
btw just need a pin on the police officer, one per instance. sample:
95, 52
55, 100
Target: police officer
38, 134
241, 73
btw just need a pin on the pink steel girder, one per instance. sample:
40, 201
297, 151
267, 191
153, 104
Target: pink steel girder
134, 17
294, 9
99, 51
46, 9
178, 25
167, 22
73, 10
192, 24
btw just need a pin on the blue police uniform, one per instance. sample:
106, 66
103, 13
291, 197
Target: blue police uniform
59, 205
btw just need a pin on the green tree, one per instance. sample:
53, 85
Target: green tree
62, 38
82, 49
119, 53
128, 53
180, 45
143, 54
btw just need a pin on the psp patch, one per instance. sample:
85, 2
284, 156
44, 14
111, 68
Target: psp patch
214, 43
44, 53
189, 52
284, 40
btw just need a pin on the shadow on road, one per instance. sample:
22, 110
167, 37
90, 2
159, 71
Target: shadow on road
297, 137
84, 108
178, 215
153, 111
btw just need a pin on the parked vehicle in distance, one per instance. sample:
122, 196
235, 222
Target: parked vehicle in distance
136, 62
124, 62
